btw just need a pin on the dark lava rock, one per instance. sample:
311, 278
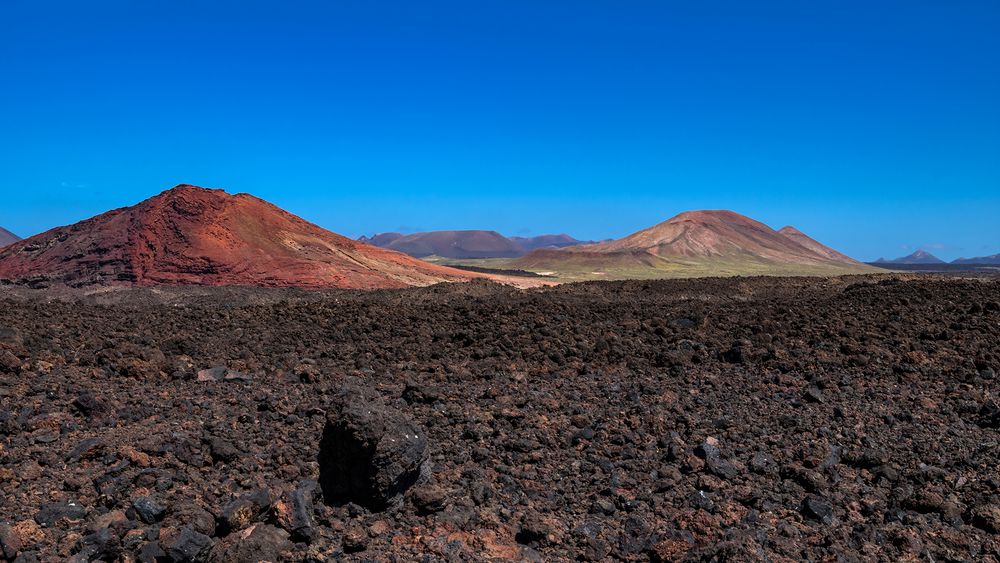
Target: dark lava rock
262, 542
762, 462
987, 517
416, 393
90, 405
709, 451
151, 552
102, 545
148, 510
603, 506
818, 508
10, 541
221, 373
241, 512
355, 539
989, 415
84, 449
568, 418
370, 454
428, 499
194, 517
9, 363
294, 512
184, 545
222, 450
50, 514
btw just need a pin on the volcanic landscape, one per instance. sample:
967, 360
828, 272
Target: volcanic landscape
157, 404
718, 419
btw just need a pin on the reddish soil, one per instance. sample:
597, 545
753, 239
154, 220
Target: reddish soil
844, 419
192, 235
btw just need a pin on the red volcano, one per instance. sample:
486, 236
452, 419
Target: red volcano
192, 235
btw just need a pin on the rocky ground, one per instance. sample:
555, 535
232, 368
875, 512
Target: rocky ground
740, 419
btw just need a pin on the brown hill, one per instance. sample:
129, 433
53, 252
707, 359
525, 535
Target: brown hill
7, 237
192, 235
696, 243
712, 234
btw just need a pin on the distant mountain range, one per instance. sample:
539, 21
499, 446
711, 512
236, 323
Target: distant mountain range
465, 245
993, 259
7, 237
922, 257
918, 257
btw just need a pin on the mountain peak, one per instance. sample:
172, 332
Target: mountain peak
920, 256
714, 233
712, 216
194, 235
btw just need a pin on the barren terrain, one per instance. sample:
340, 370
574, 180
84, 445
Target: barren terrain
737, 419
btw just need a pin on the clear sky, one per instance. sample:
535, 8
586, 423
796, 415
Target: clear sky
872, 125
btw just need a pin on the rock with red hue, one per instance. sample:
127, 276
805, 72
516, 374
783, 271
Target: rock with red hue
195, 236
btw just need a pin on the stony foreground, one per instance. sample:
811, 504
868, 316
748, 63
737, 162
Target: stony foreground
754, 419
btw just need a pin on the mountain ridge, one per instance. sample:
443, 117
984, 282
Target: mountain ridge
699, 242
193, 235
918, 257
467, 244
7, 237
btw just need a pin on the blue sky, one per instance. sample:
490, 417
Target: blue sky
873, 126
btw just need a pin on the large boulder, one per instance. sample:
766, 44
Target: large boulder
370, 453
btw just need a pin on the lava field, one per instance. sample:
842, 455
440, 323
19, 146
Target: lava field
746, 419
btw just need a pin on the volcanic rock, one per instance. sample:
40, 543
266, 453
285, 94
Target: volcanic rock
184, 545
818, 508
539, 406
294, 512
260, 542
148, 510
241, 512
52, 513
190, 235
370, 453
10, 541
